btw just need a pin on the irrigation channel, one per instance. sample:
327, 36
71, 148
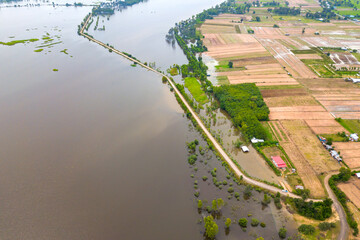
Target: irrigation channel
344, 225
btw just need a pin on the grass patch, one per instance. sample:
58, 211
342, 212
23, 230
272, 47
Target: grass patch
357, 55
280, 87
269, 133
308, 51
195, 89
65, 51
223, 80
48, 45
12, 43
39, 50
174, 72
334, 137
352, 125
55, 70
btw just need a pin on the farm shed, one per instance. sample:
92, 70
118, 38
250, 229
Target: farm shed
277, 160
354, 137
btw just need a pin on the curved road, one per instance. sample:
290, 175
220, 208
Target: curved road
344, 225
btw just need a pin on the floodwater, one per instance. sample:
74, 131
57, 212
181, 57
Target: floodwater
96, 150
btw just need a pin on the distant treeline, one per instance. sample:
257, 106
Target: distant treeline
107, 8
286, 11
245, 105
325, 14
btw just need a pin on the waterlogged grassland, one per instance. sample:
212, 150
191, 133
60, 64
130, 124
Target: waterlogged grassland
194, 87
12, 43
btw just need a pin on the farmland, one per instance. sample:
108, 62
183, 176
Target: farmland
299, 65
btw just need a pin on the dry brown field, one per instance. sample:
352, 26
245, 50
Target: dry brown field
303, 168
352, 190
267, 93
322, 42
287, 101
287, 59
325, 126
344, 58
254, 61
350, 151
308, 144
298, 31
267, 31
302, 3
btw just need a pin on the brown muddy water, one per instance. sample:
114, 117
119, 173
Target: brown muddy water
96, 150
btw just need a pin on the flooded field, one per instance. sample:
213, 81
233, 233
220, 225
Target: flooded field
92, 148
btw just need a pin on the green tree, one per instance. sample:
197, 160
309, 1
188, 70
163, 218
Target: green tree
243, 222
254, 222
266, 200
306, 229
344, 174
227, 223
260, 238
211, 228
200, 204
230, 64
282, 232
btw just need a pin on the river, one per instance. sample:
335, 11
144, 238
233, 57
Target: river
92, 148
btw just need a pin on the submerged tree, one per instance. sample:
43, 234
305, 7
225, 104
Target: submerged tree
211, 228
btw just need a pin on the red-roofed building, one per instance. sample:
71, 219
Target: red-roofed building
277, 160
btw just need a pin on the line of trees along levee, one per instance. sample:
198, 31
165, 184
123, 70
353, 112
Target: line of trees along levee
246, 107
344, 176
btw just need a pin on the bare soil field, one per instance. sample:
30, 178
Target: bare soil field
289, 101
254, 61
299, 115
267, 31
325, 126
298, 31
344, 59
207, 28
287, 59
350, 151
298, 3
303, 168
322, 42
267, 93
352, 190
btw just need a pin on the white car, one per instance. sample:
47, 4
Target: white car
245, 149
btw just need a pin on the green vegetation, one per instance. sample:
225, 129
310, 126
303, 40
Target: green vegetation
243, 222
254, 222
282, 232
266, 200
325, 226
55, 70
306, 229
335, 137
199, 204
195, 89
192, 159
315, 210
39, 50
222, 80
227, 223
343, 176
246, 107
352, 125
174, 71
211, 228
12, 43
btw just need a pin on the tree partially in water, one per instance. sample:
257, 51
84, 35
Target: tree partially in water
211, 228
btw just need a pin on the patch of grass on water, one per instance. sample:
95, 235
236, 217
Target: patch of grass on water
174, 71
55, 70
195, 89
65, 51
39, 50
48, 45
11, 43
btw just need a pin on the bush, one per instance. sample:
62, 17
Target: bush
254, 222
211, 228
230, 190
227, 222
192, 159
282, 232
266, 200
306, 229
243, 222
262, 224
204, 178
324, 226
315, 210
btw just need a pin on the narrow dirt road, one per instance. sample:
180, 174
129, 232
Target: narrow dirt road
344, 225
